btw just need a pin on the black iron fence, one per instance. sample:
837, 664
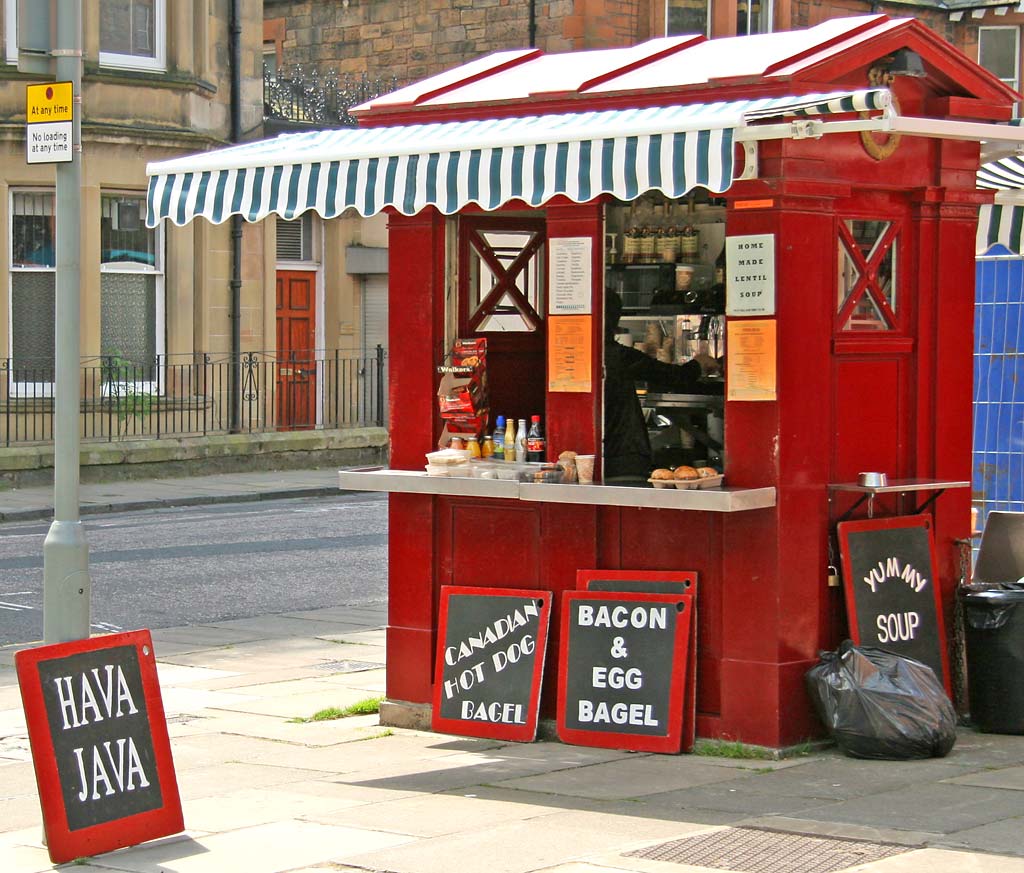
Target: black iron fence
197, 394
310, 96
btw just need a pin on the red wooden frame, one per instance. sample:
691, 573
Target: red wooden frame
671, 740
62, 843
893, 523
525, 733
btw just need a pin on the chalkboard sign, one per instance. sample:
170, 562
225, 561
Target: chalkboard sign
490, 662
99, 744
622, 669
892, 595
658, 582
650, 581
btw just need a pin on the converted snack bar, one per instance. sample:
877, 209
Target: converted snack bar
787, 219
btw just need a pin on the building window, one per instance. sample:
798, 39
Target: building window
11, 31
687, 16
999, 53
867, 275
131, 288
753, 16
133, 34
295, 238
33, 288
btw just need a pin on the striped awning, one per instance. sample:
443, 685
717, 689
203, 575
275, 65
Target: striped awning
1000, 224
490, 162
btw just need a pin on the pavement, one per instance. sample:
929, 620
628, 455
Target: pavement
27, 504
264, 790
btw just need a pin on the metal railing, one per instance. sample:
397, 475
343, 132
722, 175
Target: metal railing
309, 96
191, 395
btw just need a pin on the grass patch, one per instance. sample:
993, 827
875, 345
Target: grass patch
367, 706
731, 749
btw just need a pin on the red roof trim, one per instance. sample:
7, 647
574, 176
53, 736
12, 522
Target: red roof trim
825, 47
695, 39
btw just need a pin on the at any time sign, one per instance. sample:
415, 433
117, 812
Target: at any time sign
49, 112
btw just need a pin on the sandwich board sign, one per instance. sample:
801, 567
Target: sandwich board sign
892, 599
659, 582
491, 644
622, 669
99, 744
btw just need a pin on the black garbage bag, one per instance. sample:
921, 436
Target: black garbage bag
877, 704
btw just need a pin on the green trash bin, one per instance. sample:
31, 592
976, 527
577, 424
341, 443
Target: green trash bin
994, 634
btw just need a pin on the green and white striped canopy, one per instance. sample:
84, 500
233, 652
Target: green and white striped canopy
622, 152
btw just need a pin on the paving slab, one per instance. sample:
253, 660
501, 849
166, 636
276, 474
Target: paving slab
201, 635
255, 806
1010, 778
628, 777
288, 705
433, 815
180, 674
268, 848
940, 808
370, 616
24, 859
1005, 837
844, 830
281, 625
213, 780
943, 861
19, 780
543, 842
734, 796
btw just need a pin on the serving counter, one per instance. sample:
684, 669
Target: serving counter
704, 499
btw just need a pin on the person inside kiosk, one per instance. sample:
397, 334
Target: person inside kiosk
628, 458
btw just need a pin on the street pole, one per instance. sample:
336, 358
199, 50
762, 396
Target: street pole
66, 584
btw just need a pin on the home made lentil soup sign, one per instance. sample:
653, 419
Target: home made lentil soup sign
622, 669
99, 744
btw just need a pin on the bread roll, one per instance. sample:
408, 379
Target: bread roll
706, 472
662, 473
686, 473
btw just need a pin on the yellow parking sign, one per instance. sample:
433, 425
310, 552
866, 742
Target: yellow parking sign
49, 115
49, 102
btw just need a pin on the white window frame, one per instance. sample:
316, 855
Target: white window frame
157, 63
1015, 81
25, 389
707, 21
765, 20
115, 267
11, 31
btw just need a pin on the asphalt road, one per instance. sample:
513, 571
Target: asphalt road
190, 565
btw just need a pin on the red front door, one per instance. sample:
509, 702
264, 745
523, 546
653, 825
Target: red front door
296, 356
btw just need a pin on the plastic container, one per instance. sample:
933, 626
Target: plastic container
994, 631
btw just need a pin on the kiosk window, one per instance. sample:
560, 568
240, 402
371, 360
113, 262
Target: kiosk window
505, 288
867, 275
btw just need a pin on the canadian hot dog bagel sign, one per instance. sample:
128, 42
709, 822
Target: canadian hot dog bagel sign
892, 596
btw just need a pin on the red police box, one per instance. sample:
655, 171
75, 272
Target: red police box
99, 743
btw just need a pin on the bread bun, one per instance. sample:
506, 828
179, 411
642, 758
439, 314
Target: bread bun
662, 473
686, 473
567, 456
706, 472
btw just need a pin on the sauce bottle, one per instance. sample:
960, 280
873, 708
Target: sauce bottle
521, 440
499, 439
473, 445
510, 440
535, 441
487, 447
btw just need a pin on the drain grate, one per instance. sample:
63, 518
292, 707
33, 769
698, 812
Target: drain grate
751, 850
348, 666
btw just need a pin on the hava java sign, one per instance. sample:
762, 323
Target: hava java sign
490, 662
892, 599
99, 744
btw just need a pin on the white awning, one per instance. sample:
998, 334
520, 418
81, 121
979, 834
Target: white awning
450, 165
